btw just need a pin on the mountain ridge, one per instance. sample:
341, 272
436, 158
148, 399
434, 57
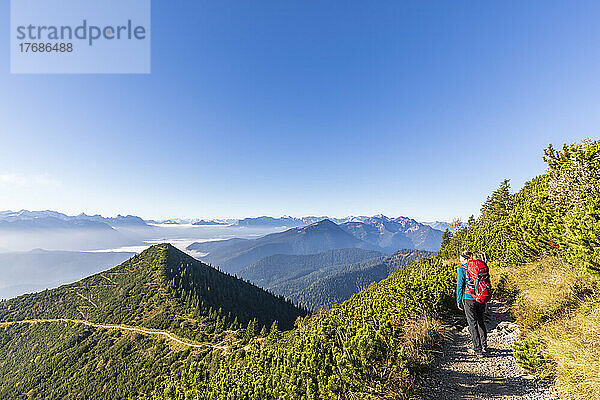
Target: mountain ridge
269, 270
157, 288
112, 334
391, 234
233, 255
325, 285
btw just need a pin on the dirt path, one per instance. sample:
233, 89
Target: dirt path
144, 331
459, 375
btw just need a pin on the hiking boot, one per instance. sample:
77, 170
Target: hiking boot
473, 352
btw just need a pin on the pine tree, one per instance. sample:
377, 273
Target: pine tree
498, 204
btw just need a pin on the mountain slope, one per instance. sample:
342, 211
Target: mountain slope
369, 347
543, 249
235, 254
279, 268
160, 289
336, 284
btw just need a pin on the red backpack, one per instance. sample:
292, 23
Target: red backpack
478, 281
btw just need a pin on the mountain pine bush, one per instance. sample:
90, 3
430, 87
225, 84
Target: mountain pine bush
364, 348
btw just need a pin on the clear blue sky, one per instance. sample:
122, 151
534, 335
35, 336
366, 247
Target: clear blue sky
307, 107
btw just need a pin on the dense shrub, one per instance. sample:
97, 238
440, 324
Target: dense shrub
368, 347
554, 214
528, 353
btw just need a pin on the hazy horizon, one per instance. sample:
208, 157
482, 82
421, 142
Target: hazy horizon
222, 218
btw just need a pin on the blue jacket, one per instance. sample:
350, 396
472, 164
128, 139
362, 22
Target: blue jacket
461, 283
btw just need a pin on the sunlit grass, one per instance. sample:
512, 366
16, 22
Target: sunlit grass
544, 290
558, 303
573, 343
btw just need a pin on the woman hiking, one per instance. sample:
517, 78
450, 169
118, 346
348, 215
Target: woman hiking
473, 309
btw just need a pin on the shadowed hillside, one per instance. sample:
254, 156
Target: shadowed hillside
320, 280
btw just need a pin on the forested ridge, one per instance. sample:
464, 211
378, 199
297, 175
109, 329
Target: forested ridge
274, 269
319, 280
336, 284
161, 289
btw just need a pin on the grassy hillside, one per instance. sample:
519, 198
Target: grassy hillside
160, 289
556, 306
70, 361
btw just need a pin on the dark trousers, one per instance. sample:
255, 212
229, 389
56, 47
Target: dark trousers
474, 312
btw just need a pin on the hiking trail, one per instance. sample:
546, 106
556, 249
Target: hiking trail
456, 374
144, 331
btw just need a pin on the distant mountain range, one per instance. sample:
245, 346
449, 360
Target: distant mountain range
45, 218
377, 233
263, 221
24, 230
191, 221
391, 234
233, 255
440, 226
284, 221
211, 222
287, 221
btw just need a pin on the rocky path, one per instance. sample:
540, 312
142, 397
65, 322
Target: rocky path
458, 375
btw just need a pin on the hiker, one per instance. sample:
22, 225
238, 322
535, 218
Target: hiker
473, 290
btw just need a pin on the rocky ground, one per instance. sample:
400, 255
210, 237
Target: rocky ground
458, 375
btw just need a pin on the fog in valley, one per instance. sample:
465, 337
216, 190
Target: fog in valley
36, 254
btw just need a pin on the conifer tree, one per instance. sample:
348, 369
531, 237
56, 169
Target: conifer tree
498, 204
